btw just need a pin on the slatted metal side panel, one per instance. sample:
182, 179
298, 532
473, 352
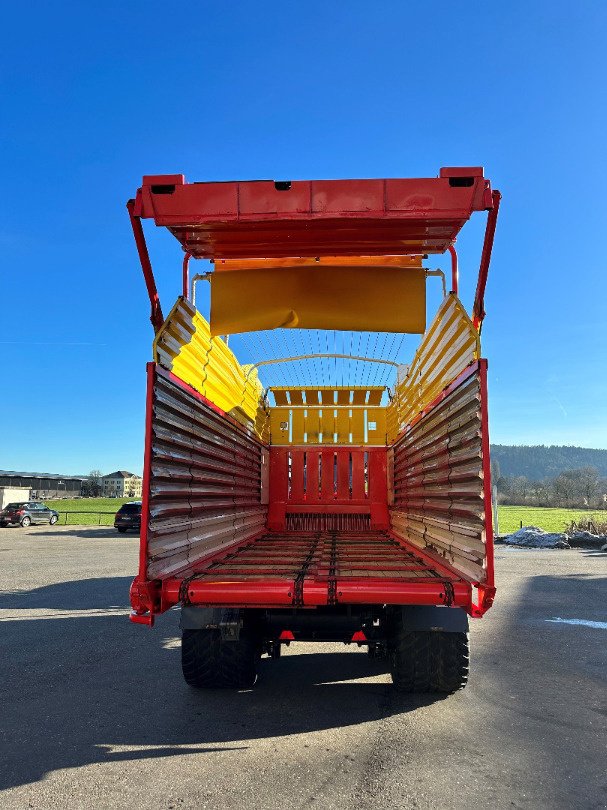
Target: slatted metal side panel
439, 481
203, 483
450, 344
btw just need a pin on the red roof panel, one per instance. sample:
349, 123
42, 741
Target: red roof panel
267, 219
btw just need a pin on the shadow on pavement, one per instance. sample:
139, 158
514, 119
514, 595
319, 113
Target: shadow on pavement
80, 690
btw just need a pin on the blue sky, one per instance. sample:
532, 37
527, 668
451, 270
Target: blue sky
96, 95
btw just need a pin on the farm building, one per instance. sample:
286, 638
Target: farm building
43, 485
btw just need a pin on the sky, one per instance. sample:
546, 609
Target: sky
93, 96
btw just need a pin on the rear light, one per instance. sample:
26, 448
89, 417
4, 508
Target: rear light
117, 515
20, 512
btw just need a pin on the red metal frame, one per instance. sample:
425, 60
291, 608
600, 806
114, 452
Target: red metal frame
478, 310
454, 270
186, 276
301, 569
156, 316
266, 220
341, 491
263, 219
486, 591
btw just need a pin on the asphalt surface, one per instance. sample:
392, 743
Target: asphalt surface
94, 712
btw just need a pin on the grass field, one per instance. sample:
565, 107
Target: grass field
510, 517
89, 507
551, 520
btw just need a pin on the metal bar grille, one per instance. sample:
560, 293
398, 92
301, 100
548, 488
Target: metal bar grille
309, 568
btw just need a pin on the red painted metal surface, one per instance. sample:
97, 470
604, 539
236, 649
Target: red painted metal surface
486, 591
185, 273
328, 480
156, 317
307, 569
454, 270
263, 219
478, 310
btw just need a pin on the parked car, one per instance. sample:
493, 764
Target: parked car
26, 513
128, 516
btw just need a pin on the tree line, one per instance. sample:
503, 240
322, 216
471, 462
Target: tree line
583, 488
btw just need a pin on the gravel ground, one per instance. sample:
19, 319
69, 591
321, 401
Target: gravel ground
94, 713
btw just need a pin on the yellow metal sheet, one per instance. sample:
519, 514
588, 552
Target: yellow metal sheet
298, 422
339, 422
185, 347
376, 299
342, 426
357, 424
327, 425
450, 344
376, 425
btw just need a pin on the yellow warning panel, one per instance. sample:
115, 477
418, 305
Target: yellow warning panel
374, 299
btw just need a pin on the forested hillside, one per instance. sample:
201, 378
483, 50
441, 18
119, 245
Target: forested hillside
539, 462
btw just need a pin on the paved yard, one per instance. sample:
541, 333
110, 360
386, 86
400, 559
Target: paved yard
94, 713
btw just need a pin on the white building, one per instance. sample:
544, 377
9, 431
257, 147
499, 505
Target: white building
121, 484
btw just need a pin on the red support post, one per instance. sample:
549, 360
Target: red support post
186, 275
156, 317
478, 311
454, 270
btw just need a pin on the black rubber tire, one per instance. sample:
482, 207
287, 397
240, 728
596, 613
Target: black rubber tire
429, 661
26, 521
121, 529
53, 520
208, 662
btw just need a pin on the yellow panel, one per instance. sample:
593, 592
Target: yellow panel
296, 397
327, 425
450, 344
312, 425
374, 397
376, 299
185, 347
377, 417
279, 425
343, 396
342, 426
327, 396
359, 397
299, 426
280, 395
358, 426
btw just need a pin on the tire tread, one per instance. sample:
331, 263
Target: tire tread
210, 663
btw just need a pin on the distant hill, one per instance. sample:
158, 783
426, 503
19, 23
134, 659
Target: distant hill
539, 462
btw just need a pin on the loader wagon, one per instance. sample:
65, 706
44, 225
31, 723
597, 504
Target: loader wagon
322, 487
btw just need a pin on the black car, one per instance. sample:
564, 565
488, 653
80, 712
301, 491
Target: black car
27, 512
128, 516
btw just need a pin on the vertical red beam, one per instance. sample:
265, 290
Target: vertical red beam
478, 311
378, 487
312, 462
358, 474
297, 476
327, 475
186, 276
343, 474
278, 490
454, 270
147, 465
487, 591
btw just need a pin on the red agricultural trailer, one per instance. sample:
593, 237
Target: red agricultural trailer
352, 506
